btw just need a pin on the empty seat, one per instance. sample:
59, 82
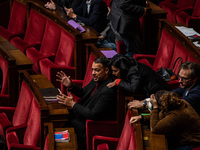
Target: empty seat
34, 32
127, 140
26, 136
172, 8
49, 45
17, 22
15, 116
64, 59
190, 16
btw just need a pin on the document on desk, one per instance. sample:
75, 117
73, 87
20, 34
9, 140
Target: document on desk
50, 94
187, 31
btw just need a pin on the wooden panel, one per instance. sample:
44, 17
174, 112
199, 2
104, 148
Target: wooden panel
72, 145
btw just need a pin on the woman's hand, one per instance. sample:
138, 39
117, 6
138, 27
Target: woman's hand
111, 84
135, 119
153, 101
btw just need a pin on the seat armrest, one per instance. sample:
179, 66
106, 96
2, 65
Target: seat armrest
15, 146
4, 100
19, 34
186, 9
102, 128
110, 141
9, 111
20, 131
149, 58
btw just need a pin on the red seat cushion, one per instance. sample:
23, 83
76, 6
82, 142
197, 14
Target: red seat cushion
165, 51
32, 133
48, 47
34, 32
17, 22
4, 68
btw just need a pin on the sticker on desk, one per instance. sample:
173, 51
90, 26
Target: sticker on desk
146, 140
62, 136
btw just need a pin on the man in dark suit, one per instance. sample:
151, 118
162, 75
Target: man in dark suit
92, 13
98, 102
124, 17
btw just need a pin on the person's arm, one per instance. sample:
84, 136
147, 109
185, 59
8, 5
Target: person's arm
164, 126
75, 4
133, 85
135, 8
193, 97
103, 106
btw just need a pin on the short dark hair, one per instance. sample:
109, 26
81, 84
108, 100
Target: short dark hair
194, 67
103, 60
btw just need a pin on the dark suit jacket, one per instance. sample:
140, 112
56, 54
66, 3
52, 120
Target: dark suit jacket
192, 96
69, 3
141, 78
100, 106
125, 15
96, 17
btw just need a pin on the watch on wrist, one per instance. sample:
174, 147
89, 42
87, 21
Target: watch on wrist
144, 104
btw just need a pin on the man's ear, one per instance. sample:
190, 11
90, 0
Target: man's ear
107, 70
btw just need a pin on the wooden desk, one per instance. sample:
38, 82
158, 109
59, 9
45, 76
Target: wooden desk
153, 141
72, 145
146, 139
16, 61
57, 112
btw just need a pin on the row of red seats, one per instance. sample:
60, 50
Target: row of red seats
21, 125
183, 11
45, 43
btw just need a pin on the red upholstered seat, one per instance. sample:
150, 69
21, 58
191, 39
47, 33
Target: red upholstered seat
4, 68
172, 8
64, 59
127, 140
164, 52
26, 136
48, 47
34, 32
14, 116
4, 97
190, 17
17, 22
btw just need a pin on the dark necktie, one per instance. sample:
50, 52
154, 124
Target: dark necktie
95, 88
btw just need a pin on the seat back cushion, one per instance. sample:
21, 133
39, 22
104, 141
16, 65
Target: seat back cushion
23, 105
191, 58
32, 133
17, 21
35, 28
179, 51
165, 51
4, 77
185, 3
51, 38
127, 139
88, 75
65, 52
196, 10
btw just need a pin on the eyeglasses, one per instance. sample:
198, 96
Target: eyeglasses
183, 78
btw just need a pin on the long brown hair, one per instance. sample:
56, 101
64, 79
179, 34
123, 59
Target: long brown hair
167, 101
